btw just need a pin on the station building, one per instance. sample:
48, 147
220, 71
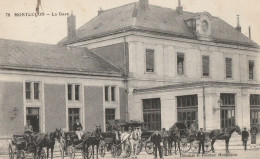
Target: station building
134, 62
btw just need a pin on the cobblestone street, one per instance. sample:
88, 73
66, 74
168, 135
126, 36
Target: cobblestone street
235, 154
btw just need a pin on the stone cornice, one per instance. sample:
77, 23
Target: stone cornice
195, 85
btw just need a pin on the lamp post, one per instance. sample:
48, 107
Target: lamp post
220, 103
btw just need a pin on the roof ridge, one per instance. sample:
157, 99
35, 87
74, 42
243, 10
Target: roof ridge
119, 6
32, 42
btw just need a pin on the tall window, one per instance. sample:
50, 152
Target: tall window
205, 65
73, 92
110, 93
255, 110
180, 63
32, 90
251, 69
187, 107
227, 114
149, 60
73, 116
228, 67
152, 113
110, 115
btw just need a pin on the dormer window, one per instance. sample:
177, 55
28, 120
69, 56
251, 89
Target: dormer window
191, 23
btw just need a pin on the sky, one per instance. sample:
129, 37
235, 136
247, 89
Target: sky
51, 29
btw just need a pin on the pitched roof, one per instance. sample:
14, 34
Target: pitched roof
53, 58
157, 20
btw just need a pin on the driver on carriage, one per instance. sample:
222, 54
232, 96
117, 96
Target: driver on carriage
77, 127
28, 131
194, 128
117, 129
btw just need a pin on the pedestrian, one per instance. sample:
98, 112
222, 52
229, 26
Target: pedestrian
77, 127
157, 142
165, 137
245, 136
194, 128
201, 139
253, 133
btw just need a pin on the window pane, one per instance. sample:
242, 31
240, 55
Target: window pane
149, 60
180, 63
228, 68
28, 90
76, 92
113, 93
106, 93
69, 92
36, 91
110, 114
205, 65
251, 69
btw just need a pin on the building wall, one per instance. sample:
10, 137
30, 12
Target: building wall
94, 109
11, 96
55, 107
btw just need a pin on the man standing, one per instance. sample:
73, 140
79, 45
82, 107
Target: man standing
77, 127
28, 130
201, 139
253, 133
194, 128
156, 140
245, 136
165, 137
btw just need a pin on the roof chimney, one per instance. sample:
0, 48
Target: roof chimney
179, 9
144, 4
249, 32
71, 22
100, 11
238, 24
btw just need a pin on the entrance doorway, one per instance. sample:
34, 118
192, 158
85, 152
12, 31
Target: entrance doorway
73, 116
32, 114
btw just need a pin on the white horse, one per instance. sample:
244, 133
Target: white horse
131, 138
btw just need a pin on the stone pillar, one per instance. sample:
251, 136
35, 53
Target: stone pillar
168, 112
243, 110
211, 117
200, 110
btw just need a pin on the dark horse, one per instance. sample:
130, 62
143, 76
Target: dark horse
91, 139
174, 136
48, 141
224, 134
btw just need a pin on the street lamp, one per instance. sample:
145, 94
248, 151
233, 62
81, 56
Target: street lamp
15, 111
220, 103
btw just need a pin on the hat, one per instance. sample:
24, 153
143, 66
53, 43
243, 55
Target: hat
163, 129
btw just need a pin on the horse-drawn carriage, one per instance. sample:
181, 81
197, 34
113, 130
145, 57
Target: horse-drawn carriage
113, 140
18, 148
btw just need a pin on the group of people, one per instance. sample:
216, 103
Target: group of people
245, 136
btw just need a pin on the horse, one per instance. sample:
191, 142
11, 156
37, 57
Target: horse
134, 139
225, 134
91, 139
174, 136
48, 141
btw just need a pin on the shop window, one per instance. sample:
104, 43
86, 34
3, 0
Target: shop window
152, 114
227, 114
255, 110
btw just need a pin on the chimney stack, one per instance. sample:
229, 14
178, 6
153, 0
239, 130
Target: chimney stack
249, 32
238, 24
144, 4
71, 24
179, 9
100, 11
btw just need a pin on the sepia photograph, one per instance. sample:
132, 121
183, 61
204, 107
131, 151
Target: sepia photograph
135, 79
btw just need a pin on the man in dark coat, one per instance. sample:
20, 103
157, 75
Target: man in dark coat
253, 133
201, 139
77, 127
157, 140
245, 136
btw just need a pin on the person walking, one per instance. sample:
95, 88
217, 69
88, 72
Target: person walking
245, 136
157, 141
201, 139
253, 133
165, 137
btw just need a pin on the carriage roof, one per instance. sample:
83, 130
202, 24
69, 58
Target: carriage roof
180, 125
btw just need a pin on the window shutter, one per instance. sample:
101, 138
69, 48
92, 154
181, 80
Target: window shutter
228, 68
149, 60
205, 65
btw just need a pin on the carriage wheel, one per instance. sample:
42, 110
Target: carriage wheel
71, 152
207, 146
11, 151
113, 151
185, 146
128, 150
102, 150
149, 147
43, 154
